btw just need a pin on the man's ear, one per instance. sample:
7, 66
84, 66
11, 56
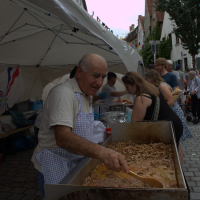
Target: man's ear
78, 72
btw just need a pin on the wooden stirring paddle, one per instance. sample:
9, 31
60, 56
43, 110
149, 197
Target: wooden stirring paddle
149, 181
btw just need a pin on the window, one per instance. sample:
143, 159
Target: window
170, 38
177, 39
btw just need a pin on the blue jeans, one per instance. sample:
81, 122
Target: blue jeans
41, 183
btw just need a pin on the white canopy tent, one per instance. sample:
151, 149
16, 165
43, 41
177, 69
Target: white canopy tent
47, 39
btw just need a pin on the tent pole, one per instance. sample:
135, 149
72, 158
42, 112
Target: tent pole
49, 46
48, 14
25, 36
13, 25
14, 30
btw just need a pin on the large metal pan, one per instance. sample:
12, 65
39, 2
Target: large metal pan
138, 132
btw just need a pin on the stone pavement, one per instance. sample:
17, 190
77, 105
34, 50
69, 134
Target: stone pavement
191, 166
18, 179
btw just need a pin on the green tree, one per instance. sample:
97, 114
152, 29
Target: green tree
146, 52
185, 15
165, 48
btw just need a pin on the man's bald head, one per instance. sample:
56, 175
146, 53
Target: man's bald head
90, 73
88, 60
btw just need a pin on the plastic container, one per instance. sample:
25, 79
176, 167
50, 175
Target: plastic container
108, 116
129, 114
36, 105
108, 132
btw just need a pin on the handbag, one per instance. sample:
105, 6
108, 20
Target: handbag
156, 110
176, 93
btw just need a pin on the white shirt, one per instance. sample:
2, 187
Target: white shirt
38, 119
60, 108
96, 108
109, 99
176, 74
193, 85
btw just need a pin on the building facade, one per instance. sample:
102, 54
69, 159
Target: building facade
152, 18
132, 37
179, 55
147, 21
141, 20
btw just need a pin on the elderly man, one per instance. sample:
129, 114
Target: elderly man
182, 83
169, 68
160, 65
194, 88
66, 133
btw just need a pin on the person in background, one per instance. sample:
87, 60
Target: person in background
169, 68
161, 65
66, 132
187, 75
182, 84
194, 88
149, 67
111, 91
96, 98
154, 78
149, 102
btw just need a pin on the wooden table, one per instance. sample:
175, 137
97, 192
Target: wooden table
12, 132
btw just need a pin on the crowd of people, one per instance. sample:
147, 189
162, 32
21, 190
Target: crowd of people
66, 131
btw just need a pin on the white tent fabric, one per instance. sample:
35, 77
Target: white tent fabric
47, 39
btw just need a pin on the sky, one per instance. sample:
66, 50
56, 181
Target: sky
117, 15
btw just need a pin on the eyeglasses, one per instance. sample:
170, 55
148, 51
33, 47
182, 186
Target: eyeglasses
127, 76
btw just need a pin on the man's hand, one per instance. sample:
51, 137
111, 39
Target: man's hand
194, 92
73, 143
113, 160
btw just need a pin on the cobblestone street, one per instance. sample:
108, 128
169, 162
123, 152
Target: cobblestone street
19, 182
191, 166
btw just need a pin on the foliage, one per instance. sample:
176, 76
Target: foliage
146, 52
186, 17
165, 48
156, 33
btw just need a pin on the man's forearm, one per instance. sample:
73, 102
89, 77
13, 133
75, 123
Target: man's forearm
73, 143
